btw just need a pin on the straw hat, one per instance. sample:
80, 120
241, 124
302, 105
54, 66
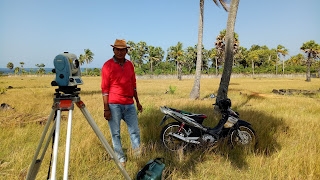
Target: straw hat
120, 43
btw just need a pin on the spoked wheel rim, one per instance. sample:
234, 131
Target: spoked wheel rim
172, 143
248, 138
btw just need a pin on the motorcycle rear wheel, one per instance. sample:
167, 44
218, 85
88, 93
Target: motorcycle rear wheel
170, 142
248, 134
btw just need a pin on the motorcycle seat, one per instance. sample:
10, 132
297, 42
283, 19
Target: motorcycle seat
191, 115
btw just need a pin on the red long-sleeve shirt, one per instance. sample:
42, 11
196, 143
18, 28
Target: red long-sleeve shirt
119, 82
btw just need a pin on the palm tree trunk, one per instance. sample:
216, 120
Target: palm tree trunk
179, 71
252, 67
225, 79
283, 66
277, 65
195, 92
308, 68
86, 69
216, 66
319, 71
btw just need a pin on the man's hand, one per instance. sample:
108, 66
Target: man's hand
140, 109
107, 114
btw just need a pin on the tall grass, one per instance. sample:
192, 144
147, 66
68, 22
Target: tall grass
287, 129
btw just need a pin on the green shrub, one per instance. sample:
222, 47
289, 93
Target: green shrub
172, 89
3, 90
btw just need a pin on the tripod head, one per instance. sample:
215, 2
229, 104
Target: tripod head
67, 91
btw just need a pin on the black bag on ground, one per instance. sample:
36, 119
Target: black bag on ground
152, 170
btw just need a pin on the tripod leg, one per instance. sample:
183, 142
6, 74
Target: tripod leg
35, 164
55, 148
66, 159
102, 139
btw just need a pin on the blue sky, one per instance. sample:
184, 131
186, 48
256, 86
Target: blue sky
36, 31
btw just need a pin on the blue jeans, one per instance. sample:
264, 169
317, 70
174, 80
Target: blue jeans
129, 114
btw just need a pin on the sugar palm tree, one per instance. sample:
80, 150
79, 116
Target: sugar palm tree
195, 92
225, 79
312, 49
10, 66
21, 63
16, 70
220, 45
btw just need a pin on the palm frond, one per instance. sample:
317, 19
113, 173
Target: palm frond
215, 1
223, 4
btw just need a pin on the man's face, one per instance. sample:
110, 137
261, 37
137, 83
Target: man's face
120, 53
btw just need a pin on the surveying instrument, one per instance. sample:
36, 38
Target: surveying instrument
68, 76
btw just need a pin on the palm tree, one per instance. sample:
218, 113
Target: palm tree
225, 79
295, 60
279, 52
10, 66
40, 70
21, 63
254, 56
156, 54
81, 59
142, 50
191, 57
312, 49
138, 52
87, 57
282, 51
195, 92
220, 47
16, 70
132, 52
176, 53
212, 55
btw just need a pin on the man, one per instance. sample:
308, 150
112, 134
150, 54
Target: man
118, 90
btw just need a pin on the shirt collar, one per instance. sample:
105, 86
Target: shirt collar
115, 60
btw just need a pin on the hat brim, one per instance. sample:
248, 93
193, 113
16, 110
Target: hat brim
120, 47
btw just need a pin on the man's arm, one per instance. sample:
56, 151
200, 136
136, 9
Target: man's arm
105, 81
107, 113
135, 95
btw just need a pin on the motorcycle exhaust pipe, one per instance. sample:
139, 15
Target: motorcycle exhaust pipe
187, 139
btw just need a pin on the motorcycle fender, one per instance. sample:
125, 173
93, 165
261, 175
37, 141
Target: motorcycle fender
242, 122
164, 119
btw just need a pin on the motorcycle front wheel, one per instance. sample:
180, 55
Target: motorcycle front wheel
244, 137
170, 142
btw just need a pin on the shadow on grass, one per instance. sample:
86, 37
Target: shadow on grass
265, 126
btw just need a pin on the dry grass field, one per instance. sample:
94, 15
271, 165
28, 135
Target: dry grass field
287, 128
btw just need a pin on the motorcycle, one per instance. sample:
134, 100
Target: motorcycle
189, 129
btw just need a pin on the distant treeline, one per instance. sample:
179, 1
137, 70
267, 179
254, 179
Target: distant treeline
149, 59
